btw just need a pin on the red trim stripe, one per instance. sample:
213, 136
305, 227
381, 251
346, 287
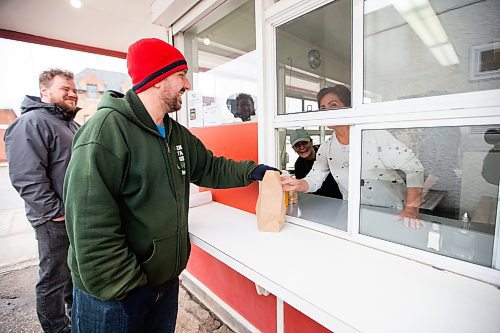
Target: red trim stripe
22, 37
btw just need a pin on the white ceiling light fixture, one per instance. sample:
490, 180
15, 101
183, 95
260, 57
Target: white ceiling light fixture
223, 47
206, 41
76, 3
423, 20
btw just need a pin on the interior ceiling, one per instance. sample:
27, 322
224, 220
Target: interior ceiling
115, 24
236, 29
328, 27
106, 24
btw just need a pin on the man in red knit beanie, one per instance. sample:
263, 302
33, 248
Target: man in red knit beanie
126, 195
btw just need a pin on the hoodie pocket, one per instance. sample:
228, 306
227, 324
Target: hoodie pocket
161, 266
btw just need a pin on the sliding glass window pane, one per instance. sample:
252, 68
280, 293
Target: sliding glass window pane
430, 47
435, 189
313, 51
294, 104
222, 57
299, 156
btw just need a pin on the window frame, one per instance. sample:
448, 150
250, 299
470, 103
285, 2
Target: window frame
475, 73
200, 17
461, 109
436, 260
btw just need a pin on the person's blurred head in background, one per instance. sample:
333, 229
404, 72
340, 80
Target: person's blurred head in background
302, 144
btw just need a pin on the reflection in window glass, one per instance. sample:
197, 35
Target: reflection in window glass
242, 106
313, 51
489, 61
309, 105
383, 157
298, 152
456, 173
420, 42
223, 62
294, 105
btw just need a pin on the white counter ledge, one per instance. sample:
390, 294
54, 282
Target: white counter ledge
342, 285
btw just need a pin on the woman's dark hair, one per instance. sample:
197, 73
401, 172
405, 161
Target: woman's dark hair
341, 91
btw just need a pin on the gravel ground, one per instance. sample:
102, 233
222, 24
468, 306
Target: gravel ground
18, 315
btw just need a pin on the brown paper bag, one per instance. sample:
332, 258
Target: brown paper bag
270, 206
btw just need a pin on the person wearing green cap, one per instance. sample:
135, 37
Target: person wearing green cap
302, 144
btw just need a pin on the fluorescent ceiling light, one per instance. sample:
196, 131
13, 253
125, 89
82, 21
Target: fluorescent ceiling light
221, 46
445, 54
423, 20
76, 3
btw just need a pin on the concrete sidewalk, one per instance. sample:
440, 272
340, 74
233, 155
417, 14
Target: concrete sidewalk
17, 239
18, 314
19, 274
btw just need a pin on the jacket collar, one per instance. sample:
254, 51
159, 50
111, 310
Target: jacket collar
31, 103
143, 116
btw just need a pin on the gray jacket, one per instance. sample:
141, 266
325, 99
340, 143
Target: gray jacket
38, 147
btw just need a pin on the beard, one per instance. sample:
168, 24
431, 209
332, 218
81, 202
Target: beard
68, 110
170, 103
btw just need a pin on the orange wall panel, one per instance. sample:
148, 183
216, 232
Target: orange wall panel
238, 142
297, 322
234, 289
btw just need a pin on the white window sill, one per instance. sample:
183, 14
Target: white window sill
346, 287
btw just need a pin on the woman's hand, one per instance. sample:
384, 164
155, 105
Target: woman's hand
292, 184
410, 217
409, 214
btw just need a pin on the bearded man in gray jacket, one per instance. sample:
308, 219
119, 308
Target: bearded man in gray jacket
38, 147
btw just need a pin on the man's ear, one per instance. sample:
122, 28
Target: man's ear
44, 91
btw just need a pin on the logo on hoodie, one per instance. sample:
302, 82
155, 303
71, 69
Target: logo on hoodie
182, 163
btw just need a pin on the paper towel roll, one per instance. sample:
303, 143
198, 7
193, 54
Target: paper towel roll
200, 198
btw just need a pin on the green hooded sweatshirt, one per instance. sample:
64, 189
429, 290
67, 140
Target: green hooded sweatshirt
126, 194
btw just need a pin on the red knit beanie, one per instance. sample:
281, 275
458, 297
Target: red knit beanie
150, 60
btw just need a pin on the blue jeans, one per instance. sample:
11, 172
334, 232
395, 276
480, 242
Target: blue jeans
142, 310
54, 288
